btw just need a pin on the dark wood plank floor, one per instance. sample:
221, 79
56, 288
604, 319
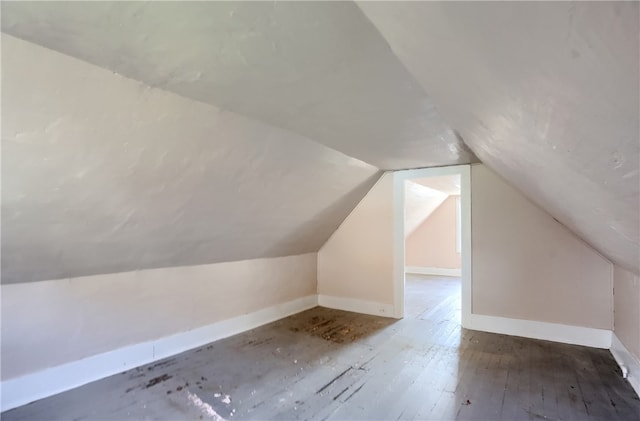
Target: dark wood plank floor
329, 364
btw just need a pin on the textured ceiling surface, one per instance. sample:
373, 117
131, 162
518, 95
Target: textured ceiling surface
544, 93
319, 69
108, 175
214, 131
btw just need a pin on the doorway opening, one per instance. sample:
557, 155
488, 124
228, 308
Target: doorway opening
432, 247
432, 243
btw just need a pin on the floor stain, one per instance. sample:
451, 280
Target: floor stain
157, 380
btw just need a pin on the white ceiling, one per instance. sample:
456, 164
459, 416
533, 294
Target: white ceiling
225, 159
544, 93
319, 69
107, 175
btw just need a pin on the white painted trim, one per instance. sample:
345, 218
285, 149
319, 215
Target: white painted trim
355, 305
433, 271
458, 226
399, 242
576, 335
627, 362
399, 177
25, 389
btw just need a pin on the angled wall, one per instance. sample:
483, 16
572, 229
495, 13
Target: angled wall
530, 275
433, 243
420, 203
103, 174
355, 266
134, 220
545, 94
317, 68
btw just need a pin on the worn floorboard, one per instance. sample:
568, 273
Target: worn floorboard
333, 365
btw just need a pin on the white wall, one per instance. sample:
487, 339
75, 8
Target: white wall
357, 261
48, 323
528, 266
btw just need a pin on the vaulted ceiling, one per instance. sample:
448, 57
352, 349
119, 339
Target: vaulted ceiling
319, 69
171, 133
108, 175
544, 93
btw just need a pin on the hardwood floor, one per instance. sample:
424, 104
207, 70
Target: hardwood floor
329, 364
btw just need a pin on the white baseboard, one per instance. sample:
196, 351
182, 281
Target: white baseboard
575, 335
355, 305
627, 361
25, 389
433, 271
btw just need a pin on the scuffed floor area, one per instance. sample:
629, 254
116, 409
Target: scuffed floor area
329, 364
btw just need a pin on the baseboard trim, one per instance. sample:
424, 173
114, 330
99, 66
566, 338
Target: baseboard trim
356, 306
419, 270
627, 361
31, 387
575, 335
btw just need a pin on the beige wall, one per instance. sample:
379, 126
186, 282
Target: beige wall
419, 203
525, 264
528, 266
433, 243
626, 306
357, 261
48, 323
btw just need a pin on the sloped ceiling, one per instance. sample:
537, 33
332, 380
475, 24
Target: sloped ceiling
545, 93
234, 153
319, 69
103, 174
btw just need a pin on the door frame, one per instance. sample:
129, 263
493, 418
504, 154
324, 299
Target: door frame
399, 178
